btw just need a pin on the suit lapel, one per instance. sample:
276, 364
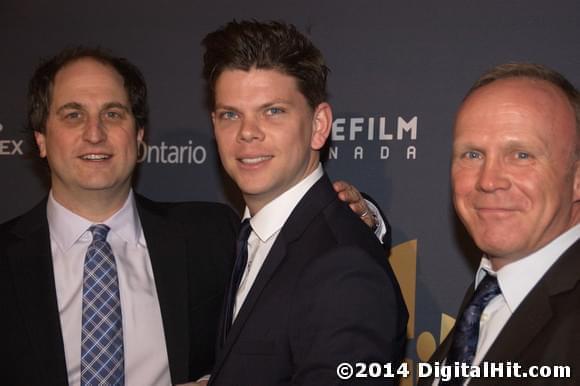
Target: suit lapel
318, 197
31, 264
167, 247
521, 329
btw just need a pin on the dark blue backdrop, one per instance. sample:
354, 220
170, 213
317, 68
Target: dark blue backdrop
399, 71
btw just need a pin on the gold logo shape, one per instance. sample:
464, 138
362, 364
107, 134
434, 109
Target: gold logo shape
403, 260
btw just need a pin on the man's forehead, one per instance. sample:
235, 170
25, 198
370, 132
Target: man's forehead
86, 66
538, 93
259, 84
525, 98
516, 110
88, 76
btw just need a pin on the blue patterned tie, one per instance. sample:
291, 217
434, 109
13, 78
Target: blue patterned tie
102, 329
466, 332
237, 274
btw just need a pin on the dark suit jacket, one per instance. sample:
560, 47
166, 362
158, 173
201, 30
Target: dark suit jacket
325, 295
544, 329
191, 247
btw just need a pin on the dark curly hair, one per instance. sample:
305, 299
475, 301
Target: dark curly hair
265, 45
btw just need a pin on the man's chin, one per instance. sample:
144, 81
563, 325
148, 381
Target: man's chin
107, 187
500, 251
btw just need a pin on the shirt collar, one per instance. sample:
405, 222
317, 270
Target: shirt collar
273, 215
517, 279
66, 227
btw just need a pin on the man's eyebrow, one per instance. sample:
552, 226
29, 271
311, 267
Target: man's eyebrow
78, 106
276, 102
69, 106
117, 105
262, 106
225, 107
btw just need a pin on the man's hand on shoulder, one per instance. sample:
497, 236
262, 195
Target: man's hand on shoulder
349, 193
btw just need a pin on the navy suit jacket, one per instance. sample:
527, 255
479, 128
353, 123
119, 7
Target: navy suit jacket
543, 330
326, 294
191, 247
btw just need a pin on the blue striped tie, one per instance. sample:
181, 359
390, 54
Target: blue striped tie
102, 329
466, 333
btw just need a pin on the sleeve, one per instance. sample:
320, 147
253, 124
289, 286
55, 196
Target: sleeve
349, 309
383, 230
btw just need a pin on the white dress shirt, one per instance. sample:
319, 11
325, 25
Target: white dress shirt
266, 225
145, 351
515, 280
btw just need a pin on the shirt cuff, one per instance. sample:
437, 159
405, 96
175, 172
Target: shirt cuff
380, 228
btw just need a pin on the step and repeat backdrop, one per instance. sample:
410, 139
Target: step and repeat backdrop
399, 70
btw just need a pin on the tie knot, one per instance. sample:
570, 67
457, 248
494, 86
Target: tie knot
487, 289
99, 231
245, 230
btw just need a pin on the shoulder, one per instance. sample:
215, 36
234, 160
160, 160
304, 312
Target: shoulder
27, 222
7, 227
188, 211
334, 243
336, 247
348, 230
321, 220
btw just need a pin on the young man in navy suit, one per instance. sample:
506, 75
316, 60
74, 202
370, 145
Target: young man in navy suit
316, 289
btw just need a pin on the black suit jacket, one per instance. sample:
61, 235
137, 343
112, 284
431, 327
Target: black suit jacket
544, 329
325, 295
191, 247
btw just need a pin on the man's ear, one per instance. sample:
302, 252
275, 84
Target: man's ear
140, 134
321, 125
577, 181
40, 139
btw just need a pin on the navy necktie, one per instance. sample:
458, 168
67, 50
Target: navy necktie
102, 361
237, 274
466, 332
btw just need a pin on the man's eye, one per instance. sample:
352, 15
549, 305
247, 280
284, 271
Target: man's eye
113, 115
522, 155
274, 111
228, 115
72, 115
472, 155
